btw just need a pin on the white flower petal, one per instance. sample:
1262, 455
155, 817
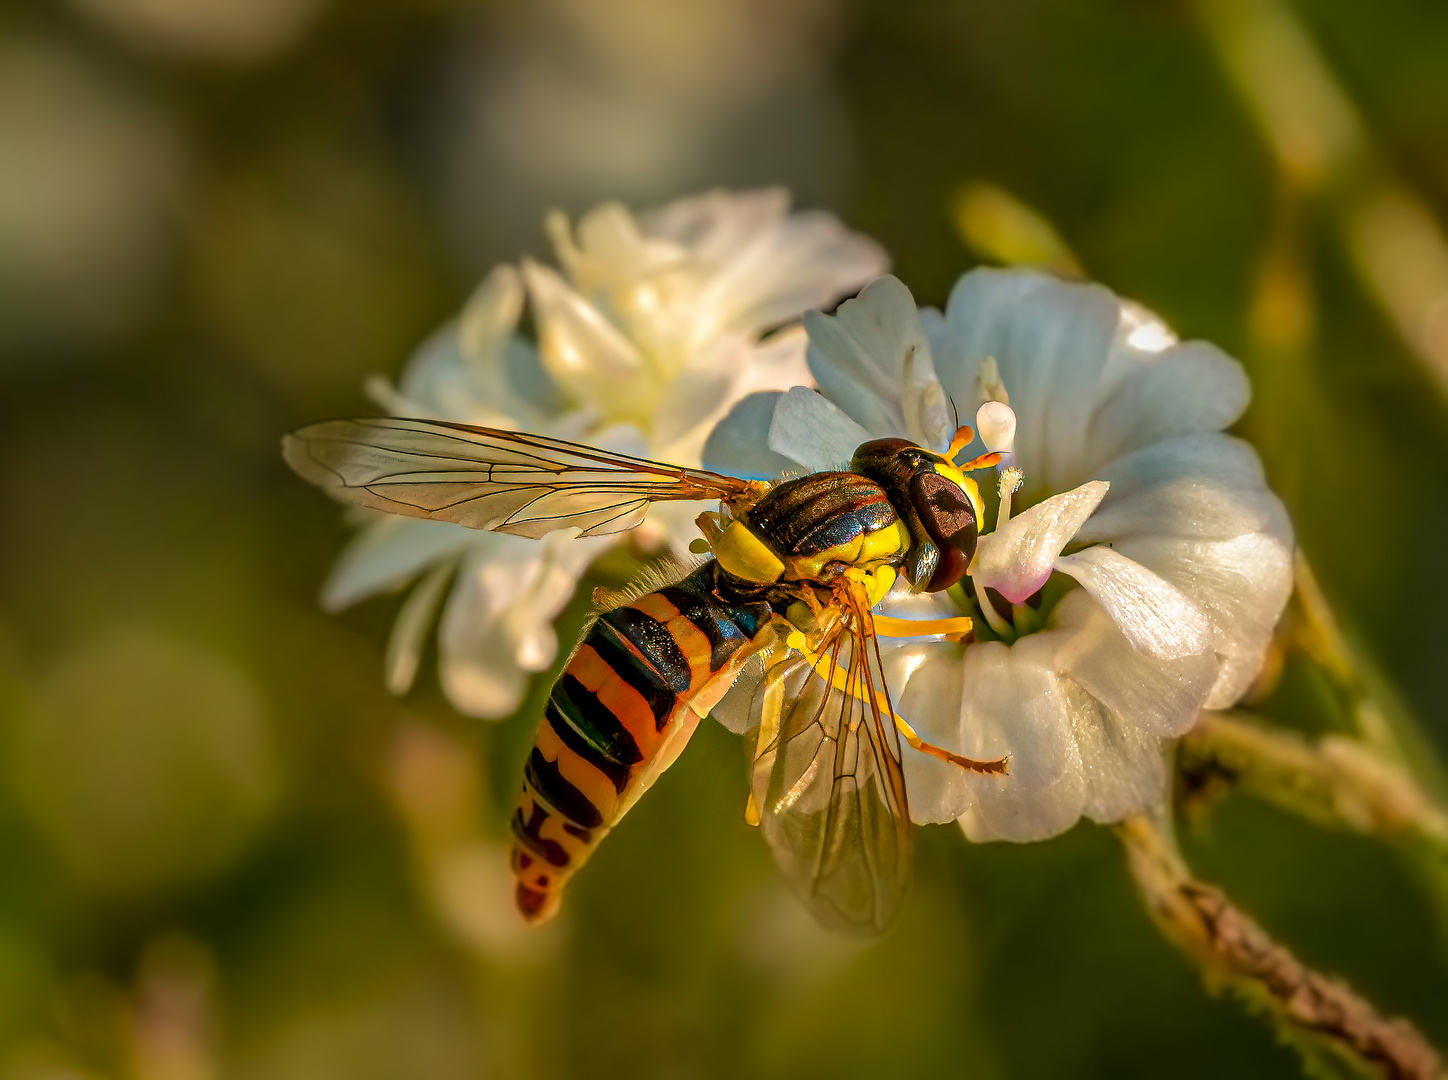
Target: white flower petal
1012, 706
1206, 456
957, 373
771, 265
1123, 765
1155, 697
1188, 388
1017, 558
925, 681
777, 363
1241, 585
697, 393
739, 443
1206, 485
489, 318
1205, 510
404, 644
812, 430
717, 225
872, 360
391, 550
498, 623
438, 382
1155, 616
581, 350
610, 256
1140, 337
1050, 340
512, 392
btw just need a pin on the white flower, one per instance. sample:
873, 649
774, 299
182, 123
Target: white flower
653, 331
1182, 555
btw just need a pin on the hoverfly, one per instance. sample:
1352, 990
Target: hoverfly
796, 567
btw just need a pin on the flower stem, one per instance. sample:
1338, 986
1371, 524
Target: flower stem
1368, 700
1337, 1033
1384, 780
1335, 781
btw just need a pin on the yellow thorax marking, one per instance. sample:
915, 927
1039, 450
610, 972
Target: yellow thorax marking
743, 554
880, 546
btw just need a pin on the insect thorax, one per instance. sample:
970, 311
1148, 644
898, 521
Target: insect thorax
811, 528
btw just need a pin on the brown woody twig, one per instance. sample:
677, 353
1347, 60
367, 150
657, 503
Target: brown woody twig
1338, 1033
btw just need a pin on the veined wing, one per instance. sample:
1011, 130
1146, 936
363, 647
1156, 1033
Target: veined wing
828, 787
486, 478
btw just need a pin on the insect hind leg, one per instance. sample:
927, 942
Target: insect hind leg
955, 628
998, 766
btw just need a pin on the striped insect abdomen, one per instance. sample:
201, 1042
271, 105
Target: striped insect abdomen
617, 717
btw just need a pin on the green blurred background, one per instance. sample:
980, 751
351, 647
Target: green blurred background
226, 852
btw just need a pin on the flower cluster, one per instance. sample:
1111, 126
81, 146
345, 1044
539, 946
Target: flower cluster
1132, 565
656, 326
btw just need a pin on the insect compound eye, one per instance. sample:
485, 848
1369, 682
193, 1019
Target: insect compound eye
949, 520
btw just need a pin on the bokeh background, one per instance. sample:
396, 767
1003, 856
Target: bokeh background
225, 851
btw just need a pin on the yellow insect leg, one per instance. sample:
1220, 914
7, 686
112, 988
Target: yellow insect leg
954, 628
996, 766
837, 677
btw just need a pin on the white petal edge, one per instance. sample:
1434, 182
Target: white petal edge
739, 443
389, 551
1156, 616
581, 350
810, 429
859, 357
1017, 558
404, 644
1012, 705
1241, 585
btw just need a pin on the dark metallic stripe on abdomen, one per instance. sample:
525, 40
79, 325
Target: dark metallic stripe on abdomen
594, 720
554, 789
653, 640
635, 671
712, 619
617, 773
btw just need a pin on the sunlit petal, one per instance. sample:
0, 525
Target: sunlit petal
1155, 617
1012, 706
1050, 341
580, 348
1241, 585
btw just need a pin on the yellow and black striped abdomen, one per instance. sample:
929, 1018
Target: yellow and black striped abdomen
616, 718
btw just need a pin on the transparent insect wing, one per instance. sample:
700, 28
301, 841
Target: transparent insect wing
828, 787
485, 478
